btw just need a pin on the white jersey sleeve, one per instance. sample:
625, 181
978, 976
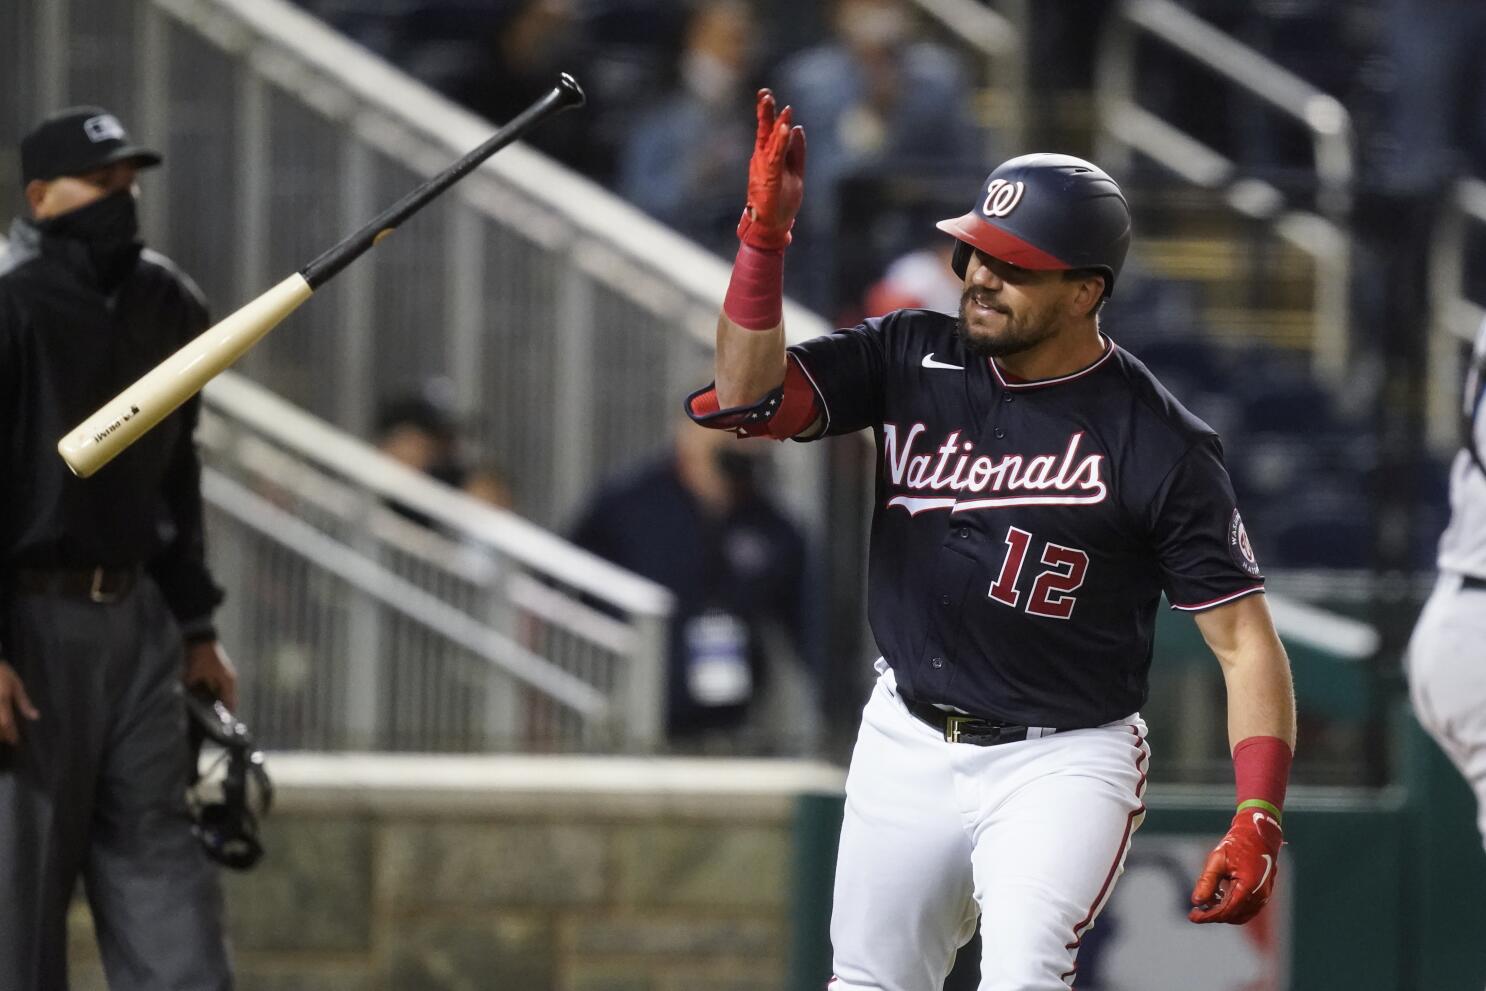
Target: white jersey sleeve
1463, 546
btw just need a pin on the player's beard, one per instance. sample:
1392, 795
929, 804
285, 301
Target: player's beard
1021, 331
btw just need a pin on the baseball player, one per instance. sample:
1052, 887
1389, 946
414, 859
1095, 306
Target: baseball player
1037, 491
1446, 657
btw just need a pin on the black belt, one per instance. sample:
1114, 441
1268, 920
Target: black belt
965, 729
98, 584
1471, 581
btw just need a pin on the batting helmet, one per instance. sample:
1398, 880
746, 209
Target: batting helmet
234, 792
1046, 212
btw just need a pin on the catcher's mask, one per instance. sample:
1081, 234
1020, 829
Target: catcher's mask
230, 790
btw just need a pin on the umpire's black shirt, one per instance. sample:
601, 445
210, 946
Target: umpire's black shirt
1024, 531
67, 345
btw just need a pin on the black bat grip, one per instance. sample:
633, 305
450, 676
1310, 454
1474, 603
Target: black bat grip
567, 93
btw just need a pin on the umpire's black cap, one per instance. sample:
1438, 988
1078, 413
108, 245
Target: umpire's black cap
76, 141
1046, 212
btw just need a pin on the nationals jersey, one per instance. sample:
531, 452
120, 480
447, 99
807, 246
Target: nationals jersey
1024, 531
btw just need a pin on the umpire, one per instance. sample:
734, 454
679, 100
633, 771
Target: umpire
105, 597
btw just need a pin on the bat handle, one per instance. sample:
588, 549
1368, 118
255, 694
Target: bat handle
565, 95
570, 93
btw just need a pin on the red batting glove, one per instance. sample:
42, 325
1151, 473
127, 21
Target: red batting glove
1238, 878
776, 178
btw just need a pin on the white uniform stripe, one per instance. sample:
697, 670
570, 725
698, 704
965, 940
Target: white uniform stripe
820, 397
1199, 606
1142, 764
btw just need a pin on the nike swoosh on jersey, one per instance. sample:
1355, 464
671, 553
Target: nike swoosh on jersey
929, 362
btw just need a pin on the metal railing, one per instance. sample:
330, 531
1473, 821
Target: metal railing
567, 324
379, 609
1454, 317
1126, 127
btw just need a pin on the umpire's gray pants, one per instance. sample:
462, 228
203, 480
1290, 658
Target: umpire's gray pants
97, 789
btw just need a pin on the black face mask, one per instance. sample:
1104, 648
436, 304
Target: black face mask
110, 228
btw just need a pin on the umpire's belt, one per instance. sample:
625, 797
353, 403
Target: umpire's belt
98, 584
959, 728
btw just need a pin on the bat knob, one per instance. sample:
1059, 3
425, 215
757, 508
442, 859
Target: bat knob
571, 93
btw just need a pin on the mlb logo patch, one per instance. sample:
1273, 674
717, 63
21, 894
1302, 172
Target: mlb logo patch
1239, 547
104, 127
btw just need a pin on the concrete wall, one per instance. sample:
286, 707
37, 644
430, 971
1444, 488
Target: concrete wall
519, 873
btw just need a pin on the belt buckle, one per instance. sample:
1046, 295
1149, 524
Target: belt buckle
96, 592
952, 725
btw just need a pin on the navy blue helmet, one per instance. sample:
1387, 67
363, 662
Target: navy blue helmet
1046, 212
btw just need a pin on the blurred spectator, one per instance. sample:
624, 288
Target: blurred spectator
487, 482
418, 433
698, 521
876, 91
625, 73
1438, 119
919, 280
537, 40
516, 59
497, 56
686, 158
875, 95
423, 436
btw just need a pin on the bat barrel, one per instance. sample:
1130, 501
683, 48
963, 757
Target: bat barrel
567, 93
120, 422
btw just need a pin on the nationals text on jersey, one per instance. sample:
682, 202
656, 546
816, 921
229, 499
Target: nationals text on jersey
1015, 476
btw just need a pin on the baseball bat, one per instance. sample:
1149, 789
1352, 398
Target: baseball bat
129, 415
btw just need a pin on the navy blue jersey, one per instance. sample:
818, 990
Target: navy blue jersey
1024, 532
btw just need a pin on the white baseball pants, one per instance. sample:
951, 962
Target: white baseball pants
1031, 836
1447, 679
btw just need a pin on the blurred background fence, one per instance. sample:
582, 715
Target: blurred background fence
382, 611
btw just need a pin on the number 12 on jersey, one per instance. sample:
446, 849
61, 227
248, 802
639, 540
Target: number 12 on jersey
1053, 588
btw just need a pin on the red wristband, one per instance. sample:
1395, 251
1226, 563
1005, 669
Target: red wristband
1261, 770
755, 298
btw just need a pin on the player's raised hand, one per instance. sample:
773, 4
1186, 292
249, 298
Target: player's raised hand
776, 177
1239, 875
